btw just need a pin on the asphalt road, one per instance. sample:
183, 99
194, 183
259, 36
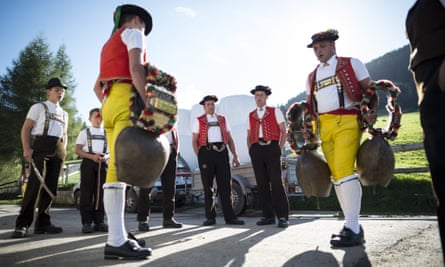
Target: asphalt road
390, 241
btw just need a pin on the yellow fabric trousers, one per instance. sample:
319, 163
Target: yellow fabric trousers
340, 140
116, 117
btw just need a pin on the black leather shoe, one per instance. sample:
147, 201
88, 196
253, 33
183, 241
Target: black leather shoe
87, 228
283, 223
50, 229
235, 222
347, 238
101, 227
172, 223
20, 232
130, 250
143, 227
209, 222
141, 242
265, 221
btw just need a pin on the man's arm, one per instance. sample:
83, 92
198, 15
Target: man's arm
98, 89
232, 147
25, 136
371, 117
248, 140
195, 143
137, 72
283, 134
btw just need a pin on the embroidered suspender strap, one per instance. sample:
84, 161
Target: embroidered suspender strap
89, 142
46, 127
97, 137
341, 95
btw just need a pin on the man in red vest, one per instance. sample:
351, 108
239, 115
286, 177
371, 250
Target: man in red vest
266, 136
121, 68
335, 89
211, 136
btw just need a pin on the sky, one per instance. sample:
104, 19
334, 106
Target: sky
224, 47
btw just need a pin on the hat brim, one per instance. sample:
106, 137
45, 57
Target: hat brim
142, 13
321, 40
268, 92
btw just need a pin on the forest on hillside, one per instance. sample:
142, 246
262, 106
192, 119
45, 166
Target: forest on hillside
392, 66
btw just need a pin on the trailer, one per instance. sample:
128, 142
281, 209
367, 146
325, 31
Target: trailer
244, 187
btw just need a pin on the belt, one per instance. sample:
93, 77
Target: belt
218, 147
263, 142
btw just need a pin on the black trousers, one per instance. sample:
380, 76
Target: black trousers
168, 181
91, 191
432, 114
267, 168
43, 147
213, 164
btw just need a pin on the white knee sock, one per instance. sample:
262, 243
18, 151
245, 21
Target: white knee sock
339, 197
114, 204
351, 194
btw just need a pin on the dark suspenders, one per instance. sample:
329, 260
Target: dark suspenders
48, 117
90, 138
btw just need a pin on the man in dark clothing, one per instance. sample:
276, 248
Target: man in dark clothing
425, 26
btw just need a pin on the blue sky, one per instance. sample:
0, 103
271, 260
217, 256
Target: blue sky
211, 47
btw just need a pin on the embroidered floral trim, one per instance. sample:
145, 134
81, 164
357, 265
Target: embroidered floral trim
394, 109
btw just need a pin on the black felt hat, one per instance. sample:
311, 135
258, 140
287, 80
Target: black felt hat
329, 35
207, 98
55, 82
136, 10
263, 88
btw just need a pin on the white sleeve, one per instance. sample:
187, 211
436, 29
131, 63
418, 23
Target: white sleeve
360, 70
133, 38
228, 126
82, 138
279, 115
443, 3
196, 126
35, 111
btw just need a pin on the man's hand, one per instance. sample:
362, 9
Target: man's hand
235, 161
371, 117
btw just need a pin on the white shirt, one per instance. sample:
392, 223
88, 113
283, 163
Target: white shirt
134, 38
214, 132
327, 97
55, 127
97, 145
260, 112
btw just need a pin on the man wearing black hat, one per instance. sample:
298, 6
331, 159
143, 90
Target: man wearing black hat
335, 89
266, 136
47, 122
211, 136
121, 67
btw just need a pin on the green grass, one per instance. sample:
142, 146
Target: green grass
407, 193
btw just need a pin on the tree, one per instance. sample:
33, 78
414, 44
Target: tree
24, 85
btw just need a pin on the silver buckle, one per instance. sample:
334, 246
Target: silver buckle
264, 143
214, 147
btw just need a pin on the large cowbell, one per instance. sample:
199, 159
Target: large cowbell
375, 162
313, 174
140, 156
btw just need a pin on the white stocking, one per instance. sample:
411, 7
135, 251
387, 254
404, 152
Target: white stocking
114, 204
351, 195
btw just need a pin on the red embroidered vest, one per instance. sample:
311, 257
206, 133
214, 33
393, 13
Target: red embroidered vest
114, 63
204, 127
271, 129
345, 73
114, 59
